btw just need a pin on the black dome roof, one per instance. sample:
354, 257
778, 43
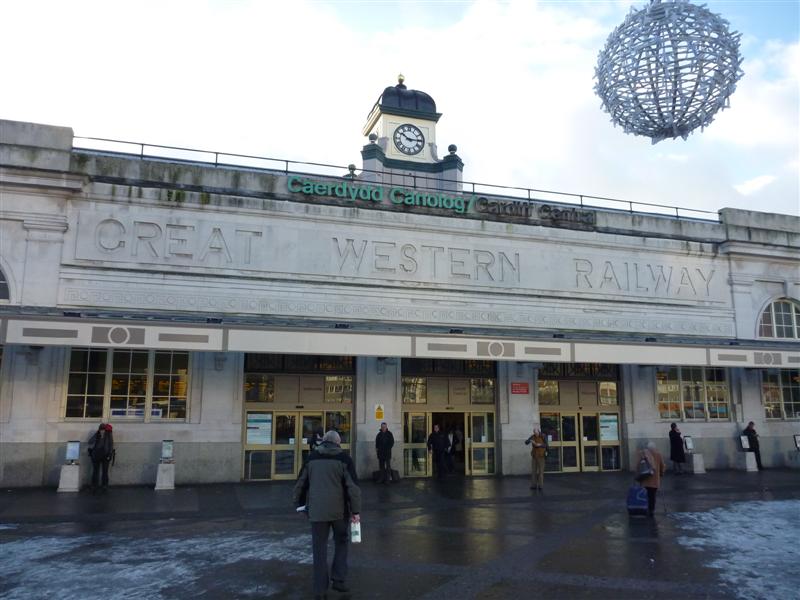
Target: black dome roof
399, 98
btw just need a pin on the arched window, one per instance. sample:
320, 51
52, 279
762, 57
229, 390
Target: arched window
3, 287
781, 319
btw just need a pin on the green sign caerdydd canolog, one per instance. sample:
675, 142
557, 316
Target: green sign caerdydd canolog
349, 190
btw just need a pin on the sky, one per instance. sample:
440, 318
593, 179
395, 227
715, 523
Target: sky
513, 80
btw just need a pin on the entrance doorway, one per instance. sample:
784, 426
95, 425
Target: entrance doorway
473, 438
582, 441
277, 442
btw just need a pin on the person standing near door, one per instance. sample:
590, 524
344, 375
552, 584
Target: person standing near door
538, 443
101, 451
331, 494
752, 438
676, 452
437, 446
384, 442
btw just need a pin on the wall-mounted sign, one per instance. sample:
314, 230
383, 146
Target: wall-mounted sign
259, 428
354, 191
520, 387
379, 412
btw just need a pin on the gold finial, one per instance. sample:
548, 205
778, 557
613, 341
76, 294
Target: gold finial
400, 79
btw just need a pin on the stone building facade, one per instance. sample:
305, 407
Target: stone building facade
236, 310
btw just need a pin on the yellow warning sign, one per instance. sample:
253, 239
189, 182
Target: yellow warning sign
379, 412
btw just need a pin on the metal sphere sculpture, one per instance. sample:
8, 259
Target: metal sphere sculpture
668, 69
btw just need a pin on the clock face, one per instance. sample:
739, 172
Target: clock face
409, 139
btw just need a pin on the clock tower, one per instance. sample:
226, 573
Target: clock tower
402, 151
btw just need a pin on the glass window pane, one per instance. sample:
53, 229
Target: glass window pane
611, 458
285, 429
94, 407
552, 462
97, 361
77, 384
415, 390
339, 422
419, 429
138, 385
259, 387
338, 388
551, 427
121, 362
608, 393
589, 428
548, 392
258, 464
78, 360
177, 408
159, 408
163, 362
75, 407
415, 461
482, 391
119, 385
568, 428
95, 384
139, 362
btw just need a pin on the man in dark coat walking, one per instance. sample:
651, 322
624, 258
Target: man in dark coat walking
329, 488
438, 445
384, 442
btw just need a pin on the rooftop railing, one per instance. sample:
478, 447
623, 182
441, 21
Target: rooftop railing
417, 181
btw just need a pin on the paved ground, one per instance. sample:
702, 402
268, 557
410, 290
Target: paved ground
719, 535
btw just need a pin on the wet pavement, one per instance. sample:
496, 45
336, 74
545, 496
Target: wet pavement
721, 535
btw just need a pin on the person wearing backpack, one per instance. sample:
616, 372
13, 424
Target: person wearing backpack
102, 453
653, 481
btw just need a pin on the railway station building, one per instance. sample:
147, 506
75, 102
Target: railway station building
235, 305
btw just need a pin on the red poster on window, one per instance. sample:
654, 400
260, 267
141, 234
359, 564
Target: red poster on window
520, 387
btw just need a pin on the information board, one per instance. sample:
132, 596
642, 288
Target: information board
259, 428
609, 428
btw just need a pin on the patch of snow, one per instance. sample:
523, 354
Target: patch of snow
753, 545
133, 568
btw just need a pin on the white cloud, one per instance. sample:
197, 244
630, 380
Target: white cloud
753, 185
296, 80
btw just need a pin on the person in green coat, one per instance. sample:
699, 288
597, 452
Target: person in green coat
328, 487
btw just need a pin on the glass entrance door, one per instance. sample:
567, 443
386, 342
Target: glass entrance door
415, 449
569, 442
277, 443
480, 445
584, 441
311, 424
590, 445
286, 445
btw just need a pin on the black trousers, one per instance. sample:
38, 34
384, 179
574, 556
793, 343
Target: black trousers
651, 500
757, 452
385, 465
319, 542
97, 465
439, 466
